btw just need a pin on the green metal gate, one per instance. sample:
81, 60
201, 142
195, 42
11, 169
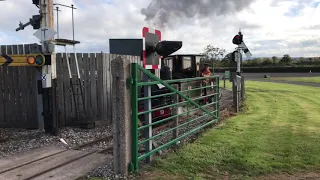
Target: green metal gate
184, 94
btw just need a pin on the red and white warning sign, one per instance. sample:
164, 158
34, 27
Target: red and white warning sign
150, 37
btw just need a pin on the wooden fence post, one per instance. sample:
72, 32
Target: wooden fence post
235, 96
243, 94
121, 115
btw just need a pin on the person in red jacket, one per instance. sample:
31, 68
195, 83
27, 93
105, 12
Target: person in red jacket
205, 72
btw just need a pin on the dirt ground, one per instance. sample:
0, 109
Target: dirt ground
295, 176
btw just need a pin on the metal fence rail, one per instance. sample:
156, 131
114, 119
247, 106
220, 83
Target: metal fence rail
177, 95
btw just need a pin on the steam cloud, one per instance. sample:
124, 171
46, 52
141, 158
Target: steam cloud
161, 12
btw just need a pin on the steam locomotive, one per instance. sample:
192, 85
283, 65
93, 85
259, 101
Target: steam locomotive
174, 67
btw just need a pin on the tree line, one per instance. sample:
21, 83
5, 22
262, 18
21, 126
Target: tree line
219, 58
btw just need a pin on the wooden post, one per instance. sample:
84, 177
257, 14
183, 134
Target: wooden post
235, 97
49, 92
54, 103
243, 94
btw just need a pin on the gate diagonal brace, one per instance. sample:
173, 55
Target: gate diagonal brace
172, 89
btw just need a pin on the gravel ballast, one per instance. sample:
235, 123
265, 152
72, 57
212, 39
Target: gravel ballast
13, 141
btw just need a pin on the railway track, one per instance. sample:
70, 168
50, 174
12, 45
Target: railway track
48, 161
39, 166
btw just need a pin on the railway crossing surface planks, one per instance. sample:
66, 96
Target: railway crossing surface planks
51, 163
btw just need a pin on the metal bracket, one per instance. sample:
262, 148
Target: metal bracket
129, 82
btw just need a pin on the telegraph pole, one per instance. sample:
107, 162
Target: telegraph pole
49, 70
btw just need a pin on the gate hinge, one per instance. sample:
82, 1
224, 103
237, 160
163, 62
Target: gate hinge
129, 82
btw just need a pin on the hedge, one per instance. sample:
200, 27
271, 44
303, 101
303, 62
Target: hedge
269, 69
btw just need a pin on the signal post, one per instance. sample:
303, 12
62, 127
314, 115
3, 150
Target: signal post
151, 61
46, 76
49, 69
152, 52
236, 78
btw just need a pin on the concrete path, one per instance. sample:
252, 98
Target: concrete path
50, 163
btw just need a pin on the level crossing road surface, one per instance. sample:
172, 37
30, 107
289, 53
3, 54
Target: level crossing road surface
50, 163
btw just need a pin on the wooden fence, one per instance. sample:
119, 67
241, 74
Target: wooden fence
95, 73
18, 92
18, 88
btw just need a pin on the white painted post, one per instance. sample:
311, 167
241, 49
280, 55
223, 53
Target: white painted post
147, 118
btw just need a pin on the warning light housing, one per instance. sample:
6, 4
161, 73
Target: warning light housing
154, 48
36, 60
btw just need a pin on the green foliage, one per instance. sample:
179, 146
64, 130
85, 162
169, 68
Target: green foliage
275, 60
266, 61
278, 69
225, 62
220, 59
286, 59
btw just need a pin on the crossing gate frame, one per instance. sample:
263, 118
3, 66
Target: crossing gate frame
211, 109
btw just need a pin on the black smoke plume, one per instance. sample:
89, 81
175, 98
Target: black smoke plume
161, 12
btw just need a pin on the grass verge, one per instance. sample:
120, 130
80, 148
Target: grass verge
279, 133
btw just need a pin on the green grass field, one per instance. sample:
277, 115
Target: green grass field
299, 79
278, 133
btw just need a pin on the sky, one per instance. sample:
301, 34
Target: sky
270, 27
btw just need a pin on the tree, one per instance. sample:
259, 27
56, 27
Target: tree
266, 61
255, 62
213, 53
286, 59
225, 61
248, 63
274, 60
301, 59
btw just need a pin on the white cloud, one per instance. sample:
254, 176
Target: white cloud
270, 27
